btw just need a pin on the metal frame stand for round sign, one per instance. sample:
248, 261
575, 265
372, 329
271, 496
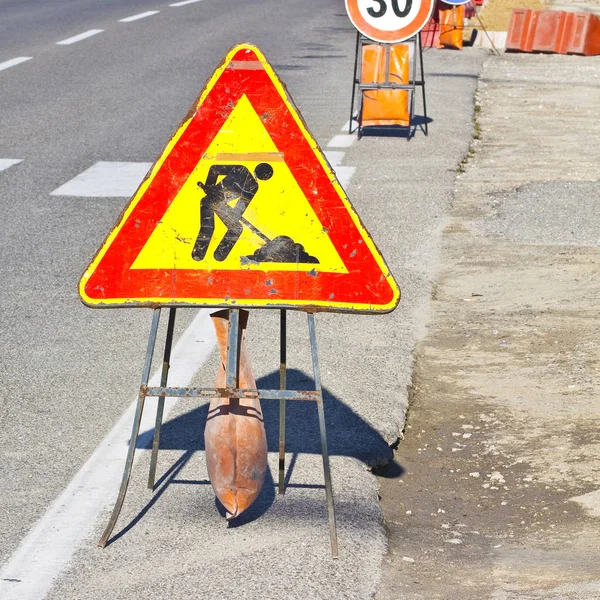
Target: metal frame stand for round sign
231, 391
411, 86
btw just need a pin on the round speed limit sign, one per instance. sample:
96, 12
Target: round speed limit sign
389, 21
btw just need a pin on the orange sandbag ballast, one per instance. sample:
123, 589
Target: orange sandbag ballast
445, 28
385, 106
452, 23
234, 437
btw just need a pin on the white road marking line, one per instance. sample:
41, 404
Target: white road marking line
121, 179
6, 163
50, 545
139, 16
341, 141
184, 2
334, 157
106, 180
78, 38
13, 62
344, 175
346, 126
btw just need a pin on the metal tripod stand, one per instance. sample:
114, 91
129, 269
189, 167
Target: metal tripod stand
230, 391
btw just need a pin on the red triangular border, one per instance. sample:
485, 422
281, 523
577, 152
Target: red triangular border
368, 285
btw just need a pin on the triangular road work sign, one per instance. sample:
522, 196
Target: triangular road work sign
241, 210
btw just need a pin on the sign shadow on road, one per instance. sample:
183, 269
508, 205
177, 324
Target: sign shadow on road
396, 131
348, 435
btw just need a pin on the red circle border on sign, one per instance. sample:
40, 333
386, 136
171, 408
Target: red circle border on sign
387, 37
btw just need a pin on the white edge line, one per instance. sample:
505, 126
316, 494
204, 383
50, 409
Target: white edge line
184, 2
344, 175
78, 38
48, 548
341, 141
139, 16
347, 124
14, 61
335, 157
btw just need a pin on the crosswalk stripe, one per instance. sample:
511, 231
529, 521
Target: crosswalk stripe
6, 163
121, 179
106, 180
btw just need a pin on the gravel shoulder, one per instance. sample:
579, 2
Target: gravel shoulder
494, 490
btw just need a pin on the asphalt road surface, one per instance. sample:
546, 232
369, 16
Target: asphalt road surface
90, 92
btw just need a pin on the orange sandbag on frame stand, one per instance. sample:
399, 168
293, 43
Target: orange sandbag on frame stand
445, 28
385, 81
385, 106
452, 23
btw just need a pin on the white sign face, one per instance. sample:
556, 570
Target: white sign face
389, 21
389, 15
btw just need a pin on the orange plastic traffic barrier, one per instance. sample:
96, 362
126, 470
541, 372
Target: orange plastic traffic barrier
585, 35
234, 436
521, 30
550, 31
452, 23
385, 107
553, 31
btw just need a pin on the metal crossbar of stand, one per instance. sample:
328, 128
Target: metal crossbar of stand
410, 87
230, 391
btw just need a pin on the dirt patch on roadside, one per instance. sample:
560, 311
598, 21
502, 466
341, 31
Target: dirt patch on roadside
495, 14
502, 434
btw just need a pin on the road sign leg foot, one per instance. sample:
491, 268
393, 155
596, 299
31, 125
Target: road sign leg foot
134, 433
323, 430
